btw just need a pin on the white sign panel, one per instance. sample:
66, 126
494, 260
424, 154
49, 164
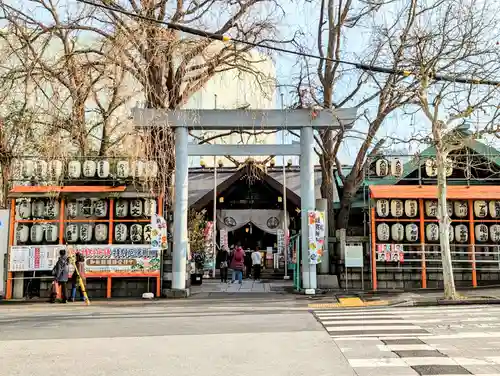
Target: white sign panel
33, 258
354, 256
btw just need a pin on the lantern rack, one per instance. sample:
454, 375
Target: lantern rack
477, 212
68, 194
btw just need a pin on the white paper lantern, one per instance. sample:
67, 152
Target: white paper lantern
100, 208
28, 168
38, 209
151, 169
85, 232
449, 206
397, 232
495, 233
449, 167
382, 167
431, 207
52, 209
136, 233
55, 169
51, 232
136, 208
451, 234
411, 232
138, 169
480, 208
71, 233
122, 169
17, 169
101, 232
411, 208
120, 233
103, 169
430, 167
149, 207
383, 232
24, 209
85, 207
72, 209
89, 168
36, 234
147, 233
40, 167
461, 233
461, 209
397, 208
397, 167
481, 232
383, 208
74, 169
432, 232
494, 207
22, 233
121, 208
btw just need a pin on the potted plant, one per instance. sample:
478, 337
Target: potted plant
197, 244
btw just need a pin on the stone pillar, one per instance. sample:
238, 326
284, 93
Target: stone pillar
18, 285
324, 267
307, 199
180, 210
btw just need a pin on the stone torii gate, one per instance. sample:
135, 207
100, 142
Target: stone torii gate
304, 120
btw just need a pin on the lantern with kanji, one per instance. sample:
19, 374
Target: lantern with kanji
397, 232
121, 233
383, 232
411, 232
121, 208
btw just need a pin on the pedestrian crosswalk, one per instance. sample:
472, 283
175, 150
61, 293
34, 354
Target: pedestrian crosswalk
417, 340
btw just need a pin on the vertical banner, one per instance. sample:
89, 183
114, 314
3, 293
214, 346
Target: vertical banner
316, 224
208, 236
224, 240
158, 233
281, 241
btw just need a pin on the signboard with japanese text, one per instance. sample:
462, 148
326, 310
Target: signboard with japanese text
119, 259
33, 258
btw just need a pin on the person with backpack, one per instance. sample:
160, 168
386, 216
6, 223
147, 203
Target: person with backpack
238, 264
75, 278
61, 273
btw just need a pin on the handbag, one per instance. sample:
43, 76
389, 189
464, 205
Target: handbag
223, 264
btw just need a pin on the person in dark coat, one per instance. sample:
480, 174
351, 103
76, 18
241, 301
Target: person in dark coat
248, 264
223, 262
61, 274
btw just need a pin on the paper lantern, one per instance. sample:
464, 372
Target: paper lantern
151, 170
52, 209
55, 168
38, 209
494, 207
411, 232
411, 208
122, 169
461, 208
85, 207
28, 168
481, 232
480, 208
89, 168
451, 234
74, 169
461, 233
430, 167
138, 169
71, 233
383, 208
382, 167
120, 233
22, 233
72, 209
432, 232
383, 232
121, 208
449, 167
136, 207
40, 169
100, 208
51, 232
101, 232
85, 232
36, 234
397, 232
495, 233
431, 207
24, 209
149, 207
147, 233
103, 169
17, 169
397, 208
396, 168
136, 233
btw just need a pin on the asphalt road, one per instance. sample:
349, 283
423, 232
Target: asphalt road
244, 337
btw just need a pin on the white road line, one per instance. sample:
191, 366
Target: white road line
380, 336
381, 328
494, 359
405, 347
440, 311
415, 361
377, 362
392, 321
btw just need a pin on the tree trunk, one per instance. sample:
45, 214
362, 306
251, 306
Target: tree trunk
5, 184
349, 192
444, 227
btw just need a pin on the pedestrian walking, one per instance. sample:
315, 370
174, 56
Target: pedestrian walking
256, 263
238, 264
223, 262
61, 274
75, 278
